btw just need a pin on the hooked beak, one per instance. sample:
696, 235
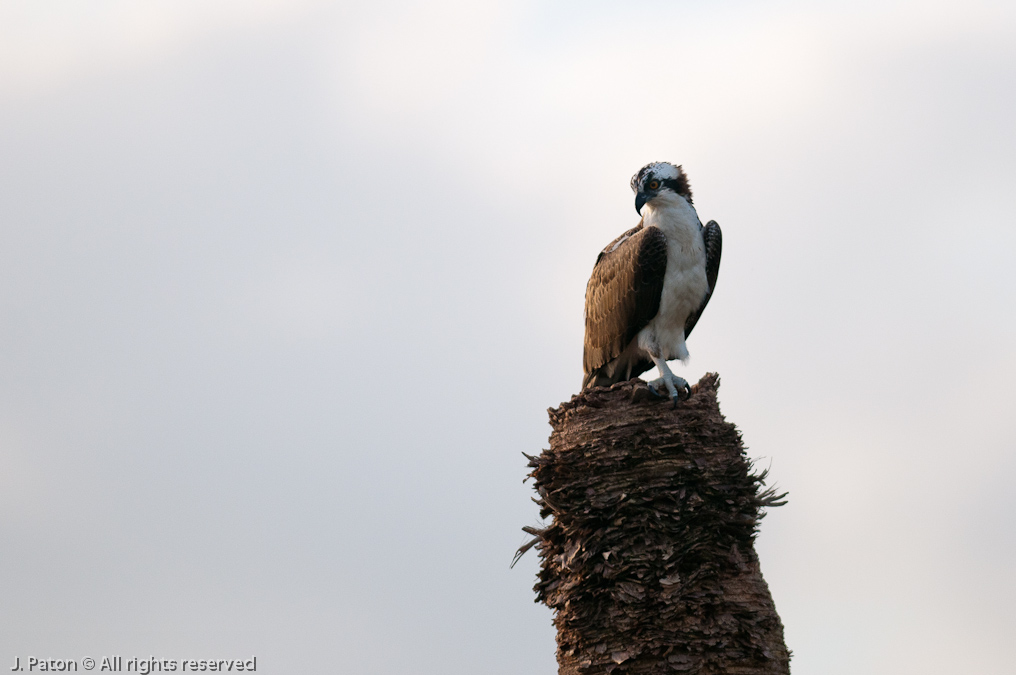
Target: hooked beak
640, 201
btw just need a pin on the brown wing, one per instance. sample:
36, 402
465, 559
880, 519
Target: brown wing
623, 294
714, 246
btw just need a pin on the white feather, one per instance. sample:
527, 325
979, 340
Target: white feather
663, 171
684, 284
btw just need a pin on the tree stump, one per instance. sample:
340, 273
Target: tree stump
649, 563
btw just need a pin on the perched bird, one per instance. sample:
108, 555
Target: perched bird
650, 285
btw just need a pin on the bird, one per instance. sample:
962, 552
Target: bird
650, 285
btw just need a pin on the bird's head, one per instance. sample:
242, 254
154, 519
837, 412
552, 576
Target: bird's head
659, 179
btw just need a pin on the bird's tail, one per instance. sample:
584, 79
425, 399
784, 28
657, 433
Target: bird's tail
616, 370
598, 377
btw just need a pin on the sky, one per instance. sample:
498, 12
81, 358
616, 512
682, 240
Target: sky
286, 288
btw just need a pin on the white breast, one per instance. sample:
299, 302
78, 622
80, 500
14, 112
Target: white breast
685, 284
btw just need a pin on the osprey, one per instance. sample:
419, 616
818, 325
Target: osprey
650, 285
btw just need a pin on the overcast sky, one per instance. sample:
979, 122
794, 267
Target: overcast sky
287, 287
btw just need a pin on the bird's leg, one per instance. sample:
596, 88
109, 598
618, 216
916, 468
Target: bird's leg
677, 387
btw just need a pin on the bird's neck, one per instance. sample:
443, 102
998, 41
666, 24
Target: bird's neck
670, 212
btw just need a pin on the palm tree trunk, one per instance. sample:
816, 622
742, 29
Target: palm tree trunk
649, 562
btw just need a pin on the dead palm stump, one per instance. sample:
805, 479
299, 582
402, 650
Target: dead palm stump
649, 562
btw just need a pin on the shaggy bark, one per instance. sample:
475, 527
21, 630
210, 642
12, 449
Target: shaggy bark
649, 562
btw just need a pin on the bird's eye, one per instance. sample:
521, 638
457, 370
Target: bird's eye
653, 184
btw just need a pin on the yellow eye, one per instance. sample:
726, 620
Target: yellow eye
653, 184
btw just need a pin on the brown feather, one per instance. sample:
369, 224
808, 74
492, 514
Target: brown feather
713, 239
622, 296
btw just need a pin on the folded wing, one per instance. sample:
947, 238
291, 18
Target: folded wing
622, 296
714, 246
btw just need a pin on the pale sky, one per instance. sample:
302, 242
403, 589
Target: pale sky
287, 288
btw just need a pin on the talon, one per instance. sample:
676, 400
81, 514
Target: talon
678, 388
